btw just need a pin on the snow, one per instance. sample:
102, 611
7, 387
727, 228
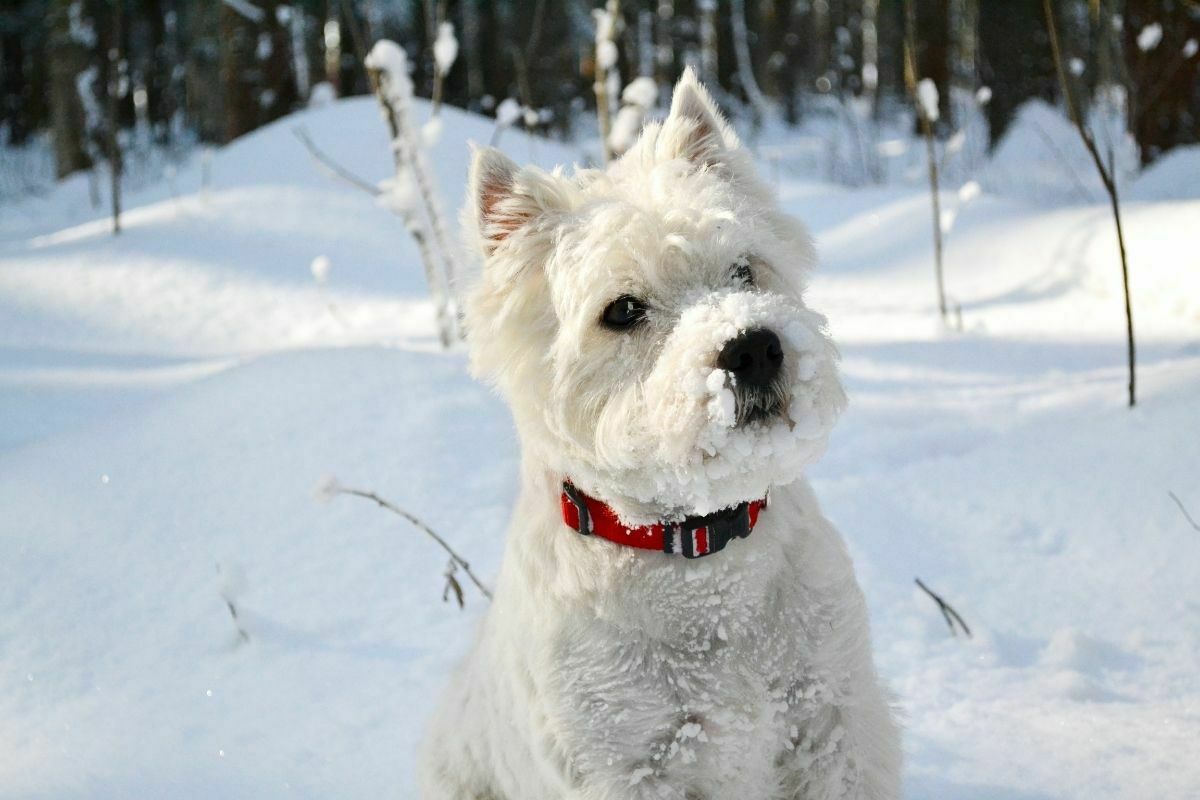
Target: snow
508, 112
1174, 176
1149, 37
322, 94
927, 96
170, 398
637, 99
320, 267
606, 48
606, 54
1041, 158
445, 48
390, 58
641, 92
431, 131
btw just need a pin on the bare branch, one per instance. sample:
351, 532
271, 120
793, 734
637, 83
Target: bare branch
336, 169
452, 585
1183, 510
948, 613
456, 561
912, 81
1107, 177
237, 623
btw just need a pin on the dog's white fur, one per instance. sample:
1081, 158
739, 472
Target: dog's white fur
601, 672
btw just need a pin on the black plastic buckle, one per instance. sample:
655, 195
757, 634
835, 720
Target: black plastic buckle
720, 528
585, 519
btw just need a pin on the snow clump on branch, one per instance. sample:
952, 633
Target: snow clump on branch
445, 48
927, 96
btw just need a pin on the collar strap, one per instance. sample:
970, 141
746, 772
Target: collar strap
691, 537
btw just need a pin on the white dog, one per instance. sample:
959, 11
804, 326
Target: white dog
646, 325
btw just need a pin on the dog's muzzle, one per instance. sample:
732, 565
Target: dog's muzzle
754, 361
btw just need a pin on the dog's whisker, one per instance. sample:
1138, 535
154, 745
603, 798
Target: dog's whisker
755, 403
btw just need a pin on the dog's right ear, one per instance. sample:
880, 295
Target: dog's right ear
505, 197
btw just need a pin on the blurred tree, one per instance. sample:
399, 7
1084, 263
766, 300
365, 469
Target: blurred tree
1014, 60
1162, 57
72, 35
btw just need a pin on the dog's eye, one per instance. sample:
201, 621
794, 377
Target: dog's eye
741, 273
623, 313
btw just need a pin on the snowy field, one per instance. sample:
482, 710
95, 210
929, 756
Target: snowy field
170, 398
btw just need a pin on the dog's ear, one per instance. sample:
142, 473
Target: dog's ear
505, 197
695, 130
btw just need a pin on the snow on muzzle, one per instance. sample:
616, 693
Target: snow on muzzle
707, 449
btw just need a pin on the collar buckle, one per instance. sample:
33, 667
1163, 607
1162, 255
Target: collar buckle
704, 535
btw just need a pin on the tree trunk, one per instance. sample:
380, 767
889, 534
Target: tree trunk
112, 95
664, 50
68, 57
238, 112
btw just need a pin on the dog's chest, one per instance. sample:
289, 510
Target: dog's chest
710, 682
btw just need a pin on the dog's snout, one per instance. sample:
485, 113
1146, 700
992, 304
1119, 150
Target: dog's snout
753, 358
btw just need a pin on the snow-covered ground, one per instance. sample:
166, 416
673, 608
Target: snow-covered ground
170, 397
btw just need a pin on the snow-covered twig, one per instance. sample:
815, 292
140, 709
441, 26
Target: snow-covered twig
336, 169
330, 488
948, 613
445, 53
638, 98
387, 68
507, 114
607, 20
1183, 510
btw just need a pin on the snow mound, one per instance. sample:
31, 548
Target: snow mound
1041, 159
1175, 176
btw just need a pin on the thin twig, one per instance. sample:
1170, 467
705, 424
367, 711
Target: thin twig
237, 623
1108, 178
1063, 161
325, 160
948, 613
912, 81
455, 559
1183, 510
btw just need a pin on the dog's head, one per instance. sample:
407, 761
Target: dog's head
646, 322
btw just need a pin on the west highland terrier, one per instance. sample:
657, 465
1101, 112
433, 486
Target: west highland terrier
674, 619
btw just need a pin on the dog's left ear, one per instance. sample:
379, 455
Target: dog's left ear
695, 130
505, 197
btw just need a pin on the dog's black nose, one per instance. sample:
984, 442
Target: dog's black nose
754, 357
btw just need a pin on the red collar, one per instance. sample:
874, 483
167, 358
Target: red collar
692, 537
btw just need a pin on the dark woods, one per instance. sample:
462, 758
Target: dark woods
187, 70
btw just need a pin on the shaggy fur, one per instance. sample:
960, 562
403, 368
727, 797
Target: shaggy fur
605, 673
